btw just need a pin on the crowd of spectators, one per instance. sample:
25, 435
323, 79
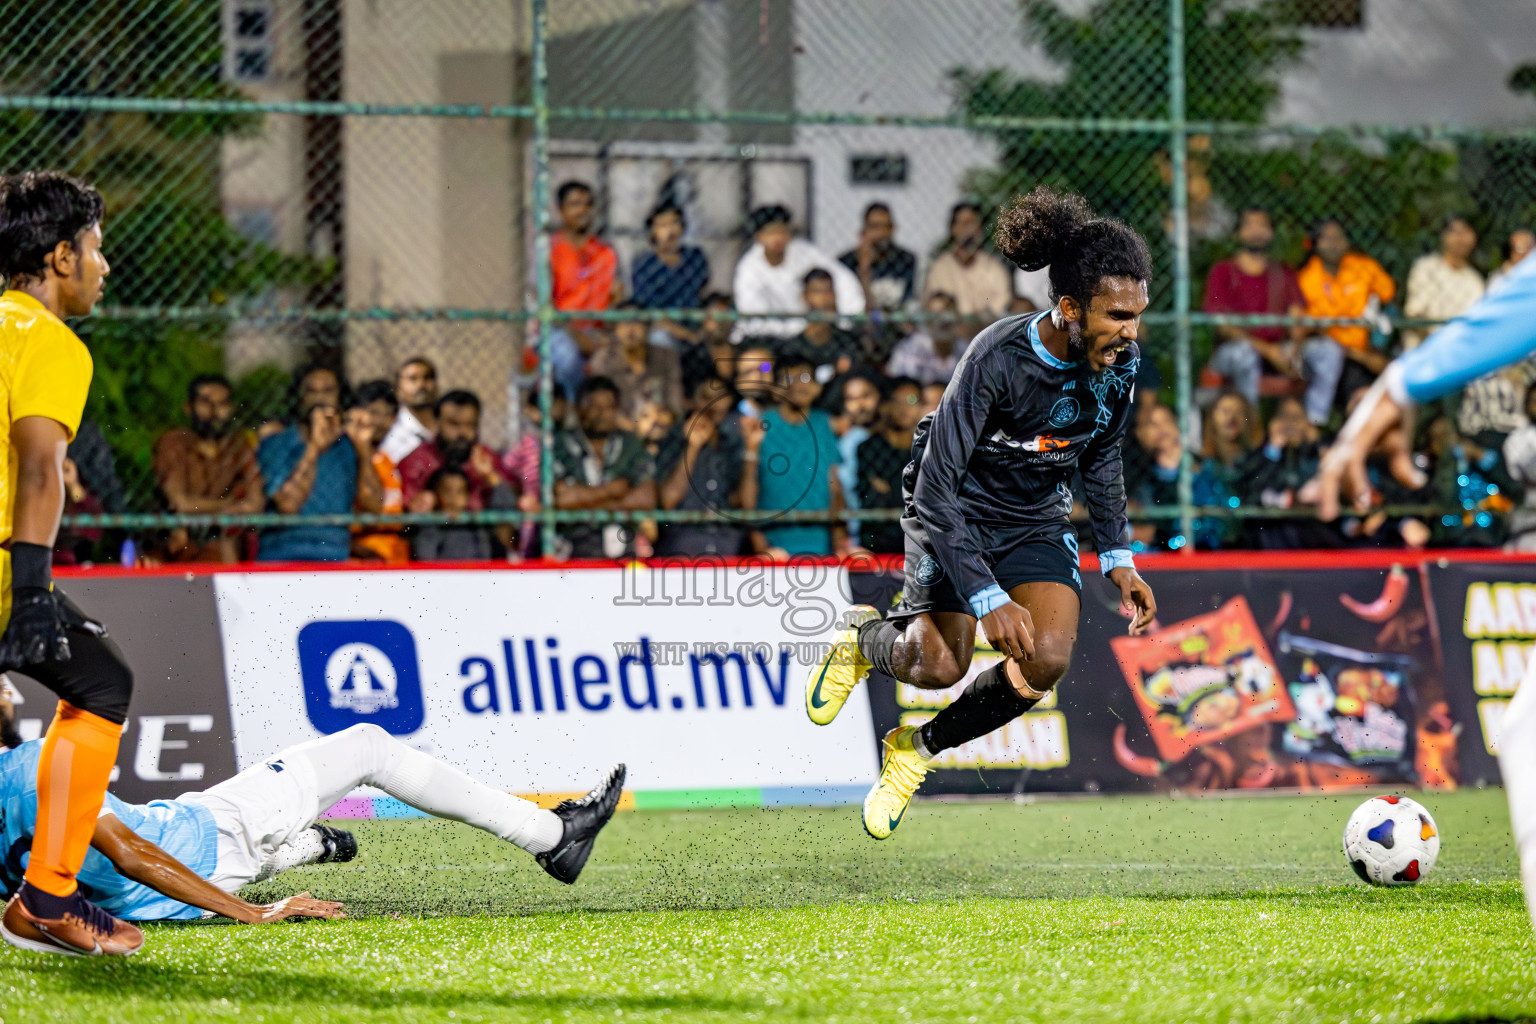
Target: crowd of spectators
1273, 395
768, 401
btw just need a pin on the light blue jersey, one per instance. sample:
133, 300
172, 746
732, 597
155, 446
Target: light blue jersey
184, 830
1499, 330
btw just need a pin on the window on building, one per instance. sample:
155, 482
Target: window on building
878, 169
1331, 13
248, 40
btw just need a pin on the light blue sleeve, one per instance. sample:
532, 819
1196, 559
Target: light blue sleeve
1499, 330
848, 465
186, 831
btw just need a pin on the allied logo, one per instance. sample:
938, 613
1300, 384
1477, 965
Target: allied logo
361, 671
361, 678
1064, 412
928, 571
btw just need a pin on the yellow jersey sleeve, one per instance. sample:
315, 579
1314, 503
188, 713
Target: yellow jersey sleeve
52, 377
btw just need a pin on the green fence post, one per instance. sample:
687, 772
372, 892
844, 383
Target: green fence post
1178, 138
543, 285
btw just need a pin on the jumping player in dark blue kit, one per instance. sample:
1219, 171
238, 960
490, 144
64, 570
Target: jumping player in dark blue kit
987, 499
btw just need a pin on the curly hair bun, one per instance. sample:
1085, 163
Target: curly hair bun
1057, 229
1038, 226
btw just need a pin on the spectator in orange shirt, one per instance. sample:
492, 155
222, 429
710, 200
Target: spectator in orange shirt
375, 407
1340, 283
583, 270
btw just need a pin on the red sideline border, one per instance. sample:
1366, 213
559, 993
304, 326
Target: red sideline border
1163, 562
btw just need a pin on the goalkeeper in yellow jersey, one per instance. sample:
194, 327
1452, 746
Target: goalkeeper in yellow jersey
52, 263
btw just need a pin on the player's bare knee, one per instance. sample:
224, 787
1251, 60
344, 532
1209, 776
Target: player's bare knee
1053, 655
1046, 674
939, 676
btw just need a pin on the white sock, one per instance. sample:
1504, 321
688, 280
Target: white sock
445, 792
542, 833
1517, 764
921, 747
366, 754
304, 848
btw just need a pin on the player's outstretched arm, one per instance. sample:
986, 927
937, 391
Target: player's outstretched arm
1499, 330
1342, 477
142, 861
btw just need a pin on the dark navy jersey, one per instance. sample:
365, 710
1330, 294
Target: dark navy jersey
1014, 423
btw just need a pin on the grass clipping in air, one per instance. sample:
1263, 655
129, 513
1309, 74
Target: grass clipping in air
1134, 909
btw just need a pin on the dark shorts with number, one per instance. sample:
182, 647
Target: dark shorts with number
1031, 553
96, 678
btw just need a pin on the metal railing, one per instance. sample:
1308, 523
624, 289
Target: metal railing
1167, 110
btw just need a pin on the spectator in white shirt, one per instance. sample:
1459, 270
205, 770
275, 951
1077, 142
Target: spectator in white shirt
416, 422
770, 278
1444, 284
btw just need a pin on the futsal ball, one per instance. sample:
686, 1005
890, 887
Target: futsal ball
1391, 840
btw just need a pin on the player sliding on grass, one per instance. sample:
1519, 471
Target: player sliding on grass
177, 858
986, 499
1499, 330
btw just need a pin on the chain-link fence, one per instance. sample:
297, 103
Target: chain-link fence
356, 183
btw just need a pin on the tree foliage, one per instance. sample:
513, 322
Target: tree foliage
1114, 61
1392, 190
165, 232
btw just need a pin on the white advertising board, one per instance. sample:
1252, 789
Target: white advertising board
534, 680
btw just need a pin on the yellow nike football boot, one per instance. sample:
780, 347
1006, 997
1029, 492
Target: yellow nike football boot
902, 770
844, 667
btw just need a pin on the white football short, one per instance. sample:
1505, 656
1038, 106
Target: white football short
256, 812
269, 804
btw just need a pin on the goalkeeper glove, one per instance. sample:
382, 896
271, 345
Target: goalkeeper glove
36, 630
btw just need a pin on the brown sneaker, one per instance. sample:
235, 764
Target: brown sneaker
84, 930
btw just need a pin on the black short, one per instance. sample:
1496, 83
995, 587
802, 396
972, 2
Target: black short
1036, 552
96, 678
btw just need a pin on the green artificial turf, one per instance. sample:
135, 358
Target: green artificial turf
1142, 909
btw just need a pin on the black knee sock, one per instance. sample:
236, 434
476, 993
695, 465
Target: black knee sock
877, 639
45, 904
989, 703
